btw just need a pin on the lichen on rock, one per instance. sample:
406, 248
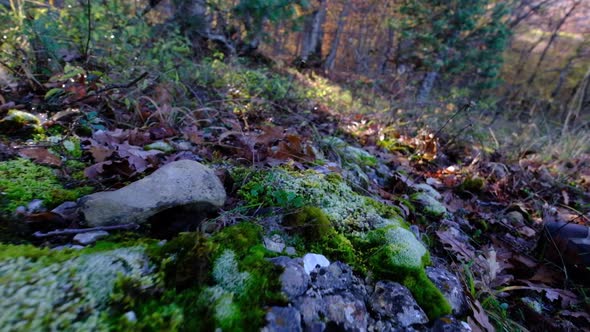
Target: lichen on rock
348, 211
41, 292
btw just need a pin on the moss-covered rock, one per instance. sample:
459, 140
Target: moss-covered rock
66, 291
21, 181
224, 281
348, 212
473, 185
394, 253
312, 224
350, 154
430, 205
20, 123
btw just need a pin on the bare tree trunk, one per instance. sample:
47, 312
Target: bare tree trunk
551, 40
361, 53
311, 43
331, 59
388, 54
426, 86
279, 37
579, 103
565, 70
195, 21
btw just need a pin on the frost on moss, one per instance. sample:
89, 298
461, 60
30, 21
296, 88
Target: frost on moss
348, 211
39, 293
21, 181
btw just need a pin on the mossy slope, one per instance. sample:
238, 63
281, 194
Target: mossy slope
346, 226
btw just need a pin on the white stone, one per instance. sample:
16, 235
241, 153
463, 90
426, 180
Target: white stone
311, 261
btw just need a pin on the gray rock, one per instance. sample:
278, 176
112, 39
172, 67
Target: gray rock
346, 312
274, 243
311, 261
338, 277
313, 310
427, 189
451, 288
183, 183
283, 319
392, 301
450, 324
294, 280
90, 237
290, 251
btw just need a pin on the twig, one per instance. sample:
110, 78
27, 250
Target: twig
85, 230
464, 108
110, 87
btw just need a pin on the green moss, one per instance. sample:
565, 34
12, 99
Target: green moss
472, 185
428, 296
75, 169
394, 253
185, 261
21, 181
224, 281
350, 154
312, 224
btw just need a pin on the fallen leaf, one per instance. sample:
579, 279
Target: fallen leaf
462, 249
93, 171
40, 156
100, 153
567, 297
480, 321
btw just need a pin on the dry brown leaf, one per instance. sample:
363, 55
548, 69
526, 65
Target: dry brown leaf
567, 297
464, 250
480, 321
95, 170
40, 156
100, 153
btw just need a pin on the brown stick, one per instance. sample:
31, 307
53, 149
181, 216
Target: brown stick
85, 230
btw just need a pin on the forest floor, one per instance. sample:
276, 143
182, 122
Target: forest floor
519, 273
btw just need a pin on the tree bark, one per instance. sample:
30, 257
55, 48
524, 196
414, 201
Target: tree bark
331, 58
311, 43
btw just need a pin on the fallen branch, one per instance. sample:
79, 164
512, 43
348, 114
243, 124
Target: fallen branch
68, 231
